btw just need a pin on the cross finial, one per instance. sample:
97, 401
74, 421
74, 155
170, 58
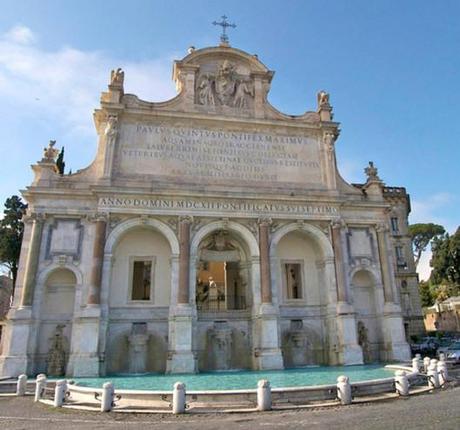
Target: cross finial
224, 24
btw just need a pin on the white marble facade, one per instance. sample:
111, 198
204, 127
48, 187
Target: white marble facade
210, 232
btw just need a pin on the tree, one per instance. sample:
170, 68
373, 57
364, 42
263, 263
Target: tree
422, 235
427, 295
446, 260
11, 232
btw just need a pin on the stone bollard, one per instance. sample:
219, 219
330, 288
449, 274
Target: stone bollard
178, 404
442, 372
426, 363
401, 383
415, 365
40, 386
108, 392
433, 379
21, 385
59, 393
344, 390
264, 395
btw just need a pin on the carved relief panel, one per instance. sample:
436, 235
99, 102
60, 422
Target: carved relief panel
224, 84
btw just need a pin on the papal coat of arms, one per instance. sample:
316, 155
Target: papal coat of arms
226, 88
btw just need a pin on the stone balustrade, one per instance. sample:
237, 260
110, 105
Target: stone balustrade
406, 381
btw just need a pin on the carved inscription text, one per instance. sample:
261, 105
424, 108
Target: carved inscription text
201, 155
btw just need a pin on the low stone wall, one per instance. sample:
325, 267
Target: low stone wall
407, 380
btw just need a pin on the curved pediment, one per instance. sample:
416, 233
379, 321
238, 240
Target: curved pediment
213, 81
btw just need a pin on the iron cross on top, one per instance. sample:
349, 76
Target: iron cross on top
224, 24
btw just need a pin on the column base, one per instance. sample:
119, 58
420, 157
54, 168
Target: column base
181, 362
181, 358
84, 351
13, 366
396, 347
15, 359
83, 365
349, 352
267, 356
266, 359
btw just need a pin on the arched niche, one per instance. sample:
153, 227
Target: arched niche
57, 306
303, 282
141, 271
365, 301
222, 273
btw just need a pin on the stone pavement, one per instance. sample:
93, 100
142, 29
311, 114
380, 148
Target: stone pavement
440, 410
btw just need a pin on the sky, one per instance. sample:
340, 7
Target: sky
391, 68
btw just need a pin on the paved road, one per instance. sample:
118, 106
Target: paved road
440, 410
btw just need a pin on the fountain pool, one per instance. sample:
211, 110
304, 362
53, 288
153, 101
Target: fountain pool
242, 380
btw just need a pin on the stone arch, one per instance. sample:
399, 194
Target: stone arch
313, 232
59, 293
117, 233
45, 274
373, 273
326, 260
218, 341
241, 231
366, 297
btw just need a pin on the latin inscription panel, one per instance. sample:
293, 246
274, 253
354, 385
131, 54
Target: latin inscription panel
205, 155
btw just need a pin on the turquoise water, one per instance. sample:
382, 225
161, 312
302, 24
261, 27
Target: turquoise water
242, 379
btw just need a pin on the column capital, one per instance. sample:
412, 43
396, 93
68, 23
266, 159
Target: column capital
381, 228
338, 223
97, 216
188, 219
329, 140
34, 217
264, 221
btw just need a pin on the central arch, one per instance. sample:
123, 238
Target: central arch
224, 281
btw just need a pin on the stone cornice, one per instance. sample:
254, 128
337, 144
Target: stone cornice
151, 111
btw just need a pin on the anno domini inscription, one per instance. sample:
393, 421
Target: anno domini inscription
204, 155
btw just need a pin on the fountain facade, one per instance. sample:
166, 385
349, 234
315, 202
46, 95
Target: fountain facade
298, 346
220, 346
57, 357
138, 346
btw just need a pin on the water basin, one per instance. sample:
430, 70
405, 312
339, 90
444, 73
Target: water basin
238, 380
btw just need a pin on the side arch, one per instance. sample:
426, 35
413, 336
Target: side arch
313, 232
44, 274
117, 233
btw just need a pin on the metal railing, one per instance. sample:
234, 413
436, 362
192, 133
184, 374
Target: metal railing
220, 303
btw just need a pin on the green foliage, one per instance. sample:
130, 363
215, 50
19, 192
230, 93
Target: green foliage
427, 294
11, 232
422, 235
446, 260
444, 281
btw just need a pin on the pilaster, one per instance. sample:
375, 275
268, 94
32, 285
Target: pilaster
396, 347
349, 351
267, 352
181, 358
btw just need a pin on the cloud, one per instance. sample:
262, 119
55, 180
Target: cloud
20, 34
432, 209
63, 86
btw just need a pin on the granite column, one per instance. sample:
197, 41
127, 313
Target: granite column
94, 296
33, 255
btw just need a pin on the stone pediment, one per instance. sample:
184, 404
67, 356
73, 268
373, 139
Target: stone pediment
225, 80
213, 81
